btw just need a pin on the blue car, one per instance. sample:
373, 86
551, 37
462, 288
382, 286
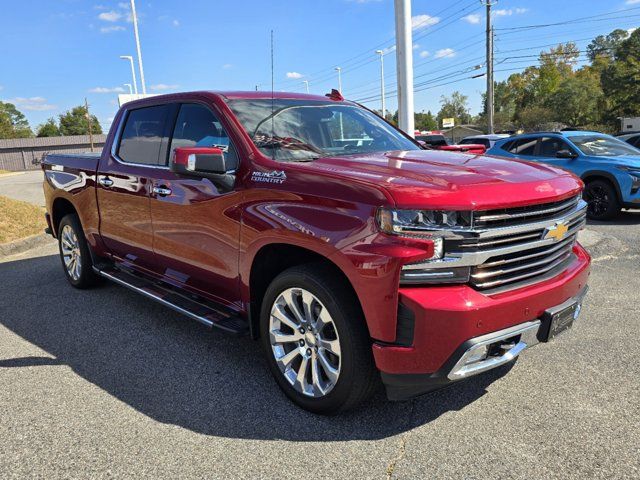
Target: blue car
609, 167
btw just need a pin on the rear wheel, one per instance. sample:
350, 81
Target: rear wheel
602, 200
316, 341
74, 253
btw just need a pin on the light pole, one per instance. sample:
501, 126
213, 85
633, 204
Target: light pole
130, 88
381, 53
404, 66
489, 32
339, 70
134, 17
306, 82
133, 71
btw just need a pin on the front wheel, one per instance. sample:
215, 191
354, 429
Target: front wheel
316, 341
74, 253
602, 200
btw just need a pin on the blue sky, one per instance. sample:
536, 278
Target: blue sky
56, 52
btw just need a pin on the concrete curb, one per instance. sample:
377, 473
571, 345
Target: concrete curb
11, 174
24, 244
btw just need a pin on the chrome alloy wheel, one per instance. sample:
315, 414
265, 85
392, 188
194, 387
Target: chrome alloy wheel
71, 252
305, 343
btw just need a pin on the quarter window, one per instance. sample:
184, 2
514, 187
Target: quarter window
524, 146
143, 135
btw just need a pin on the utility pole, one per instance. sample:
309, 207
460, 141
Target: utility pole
306, 82
489, 105
381, 53
339, 70
134, 17
86, 107
404, 62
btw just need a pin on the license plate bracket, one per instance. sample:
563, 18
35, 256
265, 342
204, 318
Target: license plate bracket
559, 319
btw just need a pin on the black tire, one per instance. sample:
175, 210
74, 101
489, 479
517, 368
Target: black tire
86, 277
358, 377
602, 200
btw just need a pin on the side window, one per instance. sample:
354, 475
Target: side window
507, 146
549, 146
524, 146
197, 126
143, 135
636, 142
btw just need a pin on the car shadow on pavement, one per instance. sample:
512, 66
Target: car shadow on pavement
625, 217
177, 372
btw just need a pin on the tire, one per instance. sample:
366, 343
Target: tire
73, 247
335, 317
602, 200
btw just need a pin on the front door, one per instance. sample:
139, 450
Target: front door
196, 223
124, 184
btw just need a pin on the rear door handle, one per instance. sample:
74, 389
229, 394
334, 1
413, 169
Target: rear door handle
162, 191
105, 181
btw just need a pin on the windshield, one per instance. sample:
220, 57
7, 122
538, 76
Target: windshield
603, 146
303, 130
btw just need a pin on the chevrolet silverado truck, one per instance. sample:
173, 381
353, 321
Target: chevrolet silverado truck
309, 223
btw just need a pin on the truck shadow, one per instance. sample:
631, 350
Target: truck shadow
177, 372
625, 217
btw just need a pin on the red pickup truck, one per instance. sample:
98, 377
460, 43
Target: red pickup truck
313, 225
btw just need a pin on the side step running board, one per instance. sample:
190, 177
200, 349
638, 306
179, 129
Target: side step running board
199, 310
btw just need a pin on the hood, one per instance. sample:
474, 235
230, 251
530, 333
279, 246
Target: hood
449, 180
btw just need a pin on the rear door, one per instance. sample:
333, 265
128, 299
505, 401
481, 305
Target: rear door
196, 222
124, 184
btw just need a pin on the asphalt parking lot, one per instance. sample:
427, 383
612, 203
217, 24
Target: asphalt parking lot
104, 383
25, 186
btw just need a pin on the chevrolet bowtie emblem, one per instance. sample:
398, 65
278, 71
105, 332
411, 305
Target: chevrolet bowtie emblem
557, 232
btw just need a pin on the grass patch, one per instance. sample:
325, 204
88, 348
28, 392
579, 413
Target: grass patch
19, 219
2, 172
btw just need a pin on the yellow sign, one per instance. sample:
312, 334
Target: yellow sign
448, 122
557, 232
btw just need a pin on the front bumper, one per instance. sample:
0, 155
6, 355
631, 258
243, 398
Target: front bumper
451, 320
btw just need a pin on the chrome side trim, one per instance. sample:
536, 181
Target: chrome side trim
527, 332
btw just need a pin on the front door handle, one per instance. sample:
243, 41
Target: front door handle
161, 191
105, 181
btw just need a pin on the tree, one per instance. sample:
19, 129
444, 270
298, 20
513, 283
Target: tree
621, 78
13, 123
606, 45
455, 107
74, 122
425, 121
49, 129
536, 118
577, 98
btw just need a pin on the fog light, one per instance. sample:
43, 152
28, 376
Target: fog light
477, 354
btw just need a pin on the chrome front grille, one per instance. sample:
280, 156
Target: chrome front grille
518, 216
516, 247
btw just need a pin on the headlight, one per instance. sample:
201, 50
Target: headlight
426, 225
419, 223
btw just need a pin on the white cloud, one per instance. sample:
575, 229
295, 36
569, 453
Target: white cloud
418, 22
227, 66
445, 53
111, 16
629, 32
175, 23
424, 54
106, 90
35, 104
1, 87
294, 75
473, 18
416, 46
507, 12
632, 2
163, 86
112, 28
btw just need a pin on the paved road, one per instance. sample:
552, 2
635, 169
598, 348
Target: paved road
26, 187
102, 383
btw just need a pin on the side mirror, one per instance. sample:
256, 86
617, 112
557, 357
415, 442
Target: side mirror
565, 153
200, 161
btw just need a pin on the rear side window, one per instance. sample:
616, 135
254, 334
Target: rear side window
197, 126
143, 136
524, 146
